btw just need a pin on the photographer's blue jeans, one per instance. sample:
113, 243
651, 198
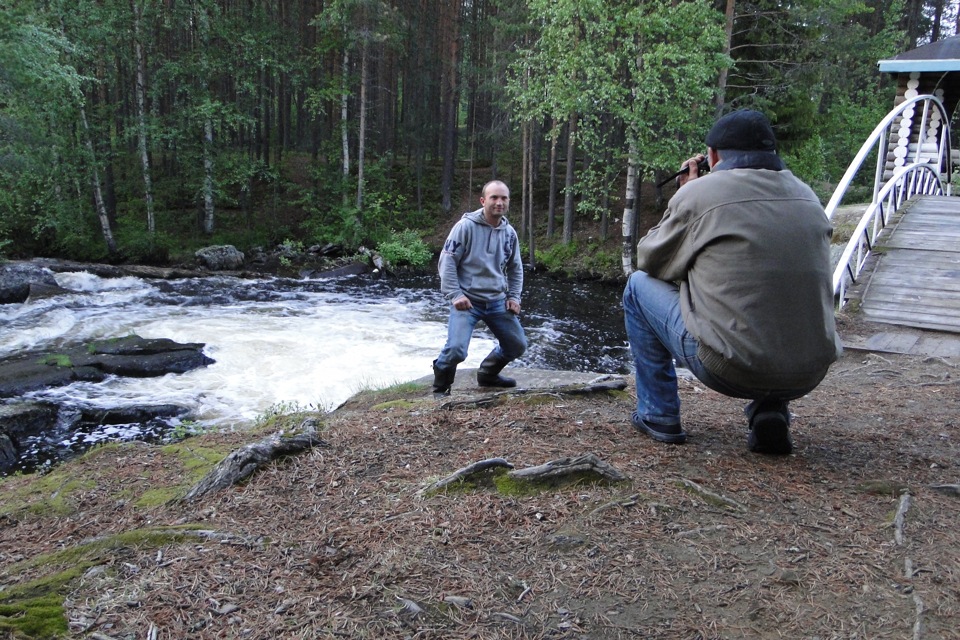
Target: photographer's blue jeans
505, 326
658, 337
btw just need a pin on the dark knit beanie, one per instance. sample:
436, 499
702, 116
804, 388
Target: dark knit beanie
743, 130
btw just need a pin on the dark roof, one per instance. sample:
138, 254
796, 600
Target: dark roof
942, 55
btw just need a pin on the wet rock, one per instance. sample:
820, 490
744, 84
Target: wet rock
8, 453
120, 271
39, 291
24, 421
352, 269
17, 277
132, 414
220, 258
128, 356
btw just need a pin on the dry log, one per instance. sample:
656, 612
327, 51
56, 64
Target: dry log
567, 466
244, 462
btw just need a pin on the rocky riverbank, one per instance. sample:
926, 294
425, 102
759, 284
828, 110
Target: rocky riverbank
854, 534
133, 356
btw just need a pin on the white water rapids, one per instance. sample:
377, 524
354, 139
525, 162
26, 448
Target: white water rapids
289, 343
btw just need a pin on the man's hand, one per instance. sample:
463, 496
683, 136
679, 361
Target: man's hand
513, 307
462, 303
693, 172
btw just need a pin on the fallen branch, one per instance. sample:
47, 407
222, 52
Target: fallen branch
629, 501
244, 462
898, 520
699, 530
587, 463
710, 496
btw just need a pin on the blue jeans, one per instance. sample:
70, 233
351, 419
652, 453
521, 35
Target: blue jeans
658, 337
504, 325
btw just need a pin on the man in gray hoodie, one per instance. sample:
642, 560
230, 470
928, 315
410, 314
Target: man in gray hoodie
481, 275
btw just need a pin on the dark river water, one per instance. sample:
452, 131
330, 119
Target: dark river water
285, 343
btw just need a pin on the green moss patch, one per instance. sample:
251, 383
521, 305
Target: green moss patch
42, 617
46, 495
57, 360
35, 609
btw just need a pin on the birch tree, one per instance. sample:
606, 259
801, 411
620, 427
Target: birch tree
568, 75
673, 60
140, 91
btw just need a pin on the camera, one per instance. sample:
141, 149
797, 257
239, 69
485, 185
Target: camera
702, 167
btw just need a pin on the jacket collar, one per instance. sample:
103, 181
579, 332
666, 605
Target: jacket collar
734, 159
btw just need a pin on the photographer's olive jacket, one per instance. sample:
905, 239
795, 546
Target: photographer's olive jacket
750, 250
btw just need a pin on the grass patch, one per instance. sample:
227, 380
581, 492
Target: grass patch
56, 360
410, 393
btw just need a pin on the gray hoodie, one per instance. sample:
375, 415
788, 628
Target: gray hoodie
480, 261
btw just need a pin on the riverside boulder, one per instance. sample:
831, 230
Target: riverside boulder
132, 356
16, 279
220, 257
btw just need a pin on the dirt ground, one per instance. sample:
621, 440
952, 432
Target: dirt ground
855, 535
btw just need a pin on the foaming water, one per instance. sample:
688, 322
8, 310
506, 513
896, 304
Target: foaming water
312, 347
294, 343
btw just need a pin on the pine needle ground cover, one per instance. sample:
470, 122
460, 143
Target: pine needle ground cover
853, 536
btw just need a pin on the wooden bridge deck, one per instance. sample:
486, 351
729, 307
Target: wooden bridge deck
915, 281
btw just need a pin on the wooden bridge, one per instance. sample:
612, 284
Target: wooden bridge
913, 280
901, 267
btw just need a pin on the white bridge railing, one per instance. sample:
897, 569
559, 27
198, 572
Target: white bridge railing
903, 170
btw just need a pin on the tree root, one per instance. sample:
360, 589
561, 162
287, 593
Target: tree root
587, 463
466, 472
900, 518
245, 461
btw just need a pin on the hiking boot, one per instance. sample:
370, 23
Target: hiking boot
443, 379
488, 374
769, 429
669, 433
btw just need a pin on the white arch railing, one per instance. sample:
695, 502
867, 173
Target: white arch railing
921, 168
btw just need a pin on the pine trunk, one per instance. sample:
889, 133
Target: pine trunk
344, 137
361, 141
208, 177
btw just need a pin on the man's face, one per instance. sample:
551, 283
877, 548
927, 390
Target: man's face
495, 201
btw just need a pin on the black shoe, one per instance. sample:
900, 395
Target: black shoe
770, 433
443, 379
495, 381
669, 433
488, 373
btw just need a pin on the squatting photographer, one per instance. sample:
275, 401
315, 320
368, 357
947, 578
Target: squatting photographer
734, 284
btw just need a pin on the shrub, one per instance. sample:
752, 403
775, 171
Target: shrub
405, 248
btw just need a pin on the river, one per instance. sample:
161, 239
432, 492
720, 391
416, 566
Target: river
284, 343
